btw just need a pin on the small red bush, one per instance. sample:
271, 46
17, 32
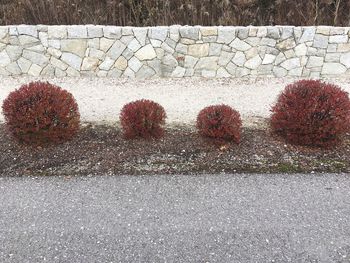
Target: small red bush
219, 122
143, 118
40, 113
310, 112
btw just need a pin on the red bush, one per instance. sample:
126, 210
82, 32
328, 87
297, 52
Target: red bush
142, 118
40, 113
219, 122
311, 112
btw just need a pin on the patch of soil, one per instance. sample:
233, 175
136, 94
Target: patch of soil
102, 150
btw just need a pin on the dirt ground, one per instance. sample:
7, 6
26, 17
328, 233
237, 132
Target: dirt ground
102, 149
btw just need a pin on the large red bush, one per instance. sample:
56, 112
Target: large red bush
143, 118
40, 113
219, 122
310, 112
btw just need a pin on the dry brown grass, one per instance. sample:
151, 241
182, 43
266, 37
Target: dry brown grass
167, 12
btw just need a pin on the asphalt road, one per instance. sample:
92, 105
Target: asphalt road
213, 218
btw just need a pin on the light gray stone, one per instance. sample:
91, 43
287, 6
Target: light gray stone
241, 72
60, 73
253, 41
301, 50
333, 69
156, 43
14, 52
314, 62
190, 61
57, 32
95, 53
112, 32
225, 58
320, 41
29, 30
308, 34
167, 48
71, 72
279, 72
114, 73
338, 39
94, 31
13, 68
242, 32
240, 45
3, 32
215, 49
174, 33
127, 31
27, 41
128, 54
222, 73
58, 63
116, 50
126, 39
135, 64
262, 32
268, 59
146, 53
207, 63
179, 72
268, 42
54, 52
287, 32
226, 35
170, 61
189, 32
55, 44
159, 33
24, 64
239, 59
134, 45
231, 68
75, 46
48, 71
332, 57
89, 63
253, 63
296, 72
35, 57
105, 44
291, 63
141, 35
198, 50
34, 70
273, 32
44, 39
107, 64
181, 48
72, 60
345, 59
129, 73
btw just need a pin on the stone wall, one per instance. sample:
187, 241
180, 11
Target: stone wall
175, 51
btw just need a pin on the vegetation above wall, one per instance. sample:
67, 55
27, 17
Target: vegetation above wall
185, 12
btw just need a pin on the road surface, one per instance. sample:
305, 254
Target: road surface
203, 218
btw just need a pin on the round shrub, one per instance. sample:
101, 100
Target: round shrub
40, 113
143, 118
219, 122
311, 112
